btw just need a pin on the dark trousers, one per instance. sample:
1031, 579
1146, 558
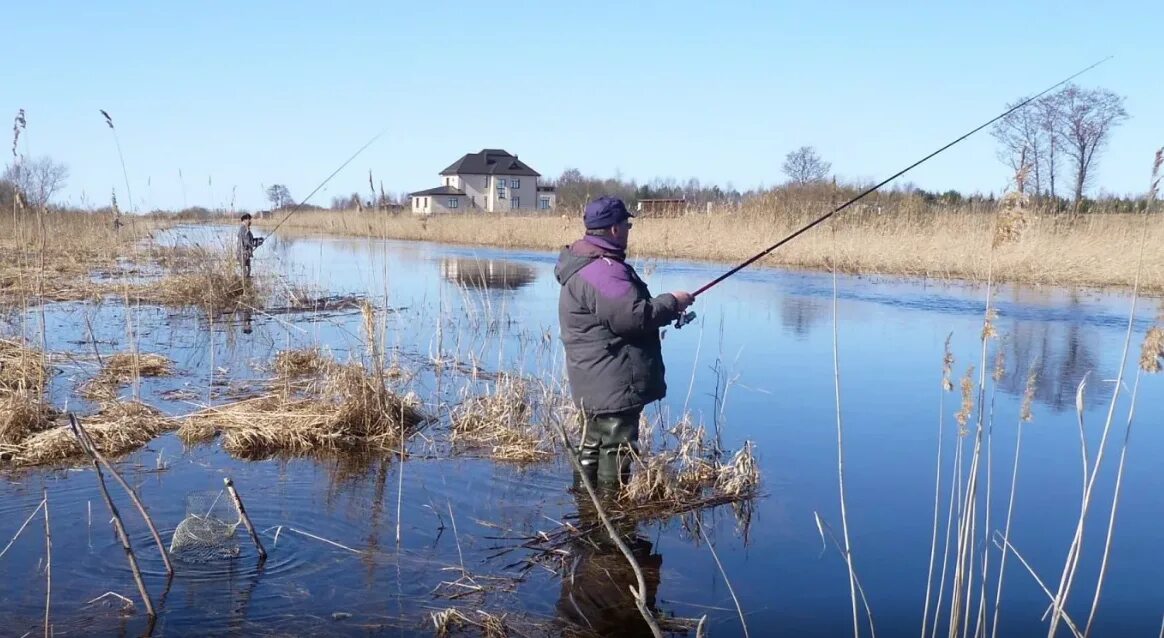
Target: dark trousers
245, 263
608, 442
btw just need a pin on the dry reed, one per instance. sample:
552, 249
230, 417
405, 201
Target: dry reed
294, 364
117, 429
500, 422
21, 367
124, 367
1152, 350
690, 473
21, 416
945, 243
346, 409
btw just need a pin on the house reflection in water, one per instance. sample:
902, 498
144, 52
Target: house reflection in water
487, 273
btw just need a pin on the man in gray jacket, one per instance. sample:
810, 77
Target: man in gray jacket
610, 329
246, 245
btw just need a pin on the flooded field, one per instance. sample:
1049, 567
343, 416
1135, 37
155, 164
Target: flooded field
369, 545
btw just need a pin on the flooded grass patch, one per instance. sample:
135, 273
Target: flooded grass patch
118, 428
342, 406
500, 424
122, 368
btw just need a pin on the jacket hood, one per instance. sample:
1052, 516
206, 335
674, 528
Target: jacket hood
577, 255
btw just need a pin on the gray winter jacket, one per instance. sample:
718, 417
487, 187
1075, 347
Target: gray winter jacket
246, 243
610, 328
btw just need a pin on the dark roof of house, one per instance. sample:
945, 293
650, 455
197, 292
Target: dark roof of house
439, 190
490, 161
545, 189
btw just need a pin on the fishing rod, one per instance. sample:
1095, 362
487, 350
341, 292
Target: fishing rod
690, 316
324, 182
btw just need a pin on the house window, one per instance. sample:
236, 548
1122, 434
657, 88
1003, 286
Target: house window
515, 202
544, 203
500, 189
454, 202
515, 183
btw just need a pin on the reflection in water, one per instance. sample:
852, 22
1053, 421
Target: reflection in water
800, 313
1060, 354
595, 593
487, 273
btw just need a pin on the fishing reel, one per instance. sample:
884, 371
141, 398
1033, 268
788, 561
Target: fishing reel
684, 319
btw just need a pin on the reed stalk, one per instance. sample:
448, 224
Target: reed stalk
48, 567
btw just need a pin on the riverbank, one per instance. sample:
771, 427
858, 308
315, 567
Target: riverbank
1058, 250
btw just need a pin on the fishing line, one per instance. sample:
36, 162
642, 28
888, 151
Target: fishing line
688, 317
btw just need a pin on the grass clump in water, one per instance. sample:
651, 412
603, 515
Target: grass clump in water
21, 367
690, 475
21, 416
120, 368
293, 364
345, 409
117, 429
501, 423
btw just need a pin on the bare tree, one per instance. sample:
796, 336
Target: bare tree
1022, 144
804, 166
37, 179
1049, 111
1088, 116
279, 196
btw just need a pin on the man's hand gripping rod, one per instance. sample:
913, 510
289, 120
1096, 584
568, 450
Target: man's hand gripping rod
688, 317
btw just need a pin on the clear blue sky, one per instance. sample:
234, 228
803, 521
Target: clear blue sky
246, 94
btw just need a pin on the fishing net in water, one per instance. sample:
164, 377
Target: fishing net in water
208, 531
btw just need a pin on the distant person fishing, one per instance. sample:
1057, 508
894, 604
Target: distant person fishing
247, 243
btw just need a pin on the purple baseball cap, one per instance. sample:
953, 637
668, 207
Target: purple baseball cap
604, 212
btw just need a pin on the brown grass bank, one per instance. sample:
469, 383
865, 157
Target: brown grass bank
903, 240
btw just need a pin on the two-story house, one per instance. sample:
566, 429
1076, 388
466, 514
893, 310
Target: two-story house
485, 182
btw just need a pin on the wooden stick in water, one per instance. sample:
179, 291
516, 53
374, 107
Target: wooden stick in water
246, 519
641, 592
121, 535
91, 448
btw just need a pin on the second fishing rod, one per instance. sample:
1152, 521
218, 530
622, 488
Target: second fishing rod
688, 317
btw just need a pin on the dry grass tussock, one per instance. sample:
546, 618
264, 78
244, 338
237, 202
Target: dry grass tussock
343, 407
292, 364
909, 240
22, 408
21, 415
691, 473
117, 429
501, 423
21, 367
208, 279
121, 368
52, 255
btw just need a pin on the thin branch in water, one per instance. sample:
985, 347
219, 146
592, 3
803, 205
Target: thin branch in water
21, 530
1115, 504
91, 448
1039, 581
731, 590
48, 567
821, 528
1023, 417
947, 362
641, 592
841, 459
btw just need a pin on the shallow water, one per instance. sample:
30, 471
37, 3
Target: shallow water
756, 366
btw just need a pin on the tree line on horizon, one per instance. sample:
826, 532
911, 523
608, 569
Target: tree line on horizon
1052, 146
